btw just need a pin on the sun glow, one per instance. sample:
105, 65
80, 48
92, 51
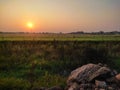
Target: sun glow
30, 25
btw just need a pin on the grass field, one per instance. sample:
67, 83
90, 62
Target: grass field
61, 37
44, 60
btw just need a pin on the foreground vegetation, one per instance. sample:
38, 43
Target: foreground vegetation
29, 64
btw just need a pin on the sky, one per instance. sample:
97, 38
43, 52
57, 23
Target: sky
59, 15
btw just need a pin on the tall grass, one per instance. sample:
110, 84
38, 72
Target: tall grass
30, 64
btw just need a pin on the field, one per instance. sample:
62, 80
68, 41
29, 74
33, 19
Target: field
30, 61
60, 37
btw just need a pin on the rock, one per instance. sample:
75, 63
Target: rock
101, 72
114, 72
118, 77
85, 85
93, 77
87, 73
110, 80
114, 80
110, 88
74, 86
101, 84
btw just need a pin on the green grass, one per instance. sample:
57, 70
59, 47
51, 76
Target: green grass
45, 74
61, 37
45, 62
13, 84
117, 62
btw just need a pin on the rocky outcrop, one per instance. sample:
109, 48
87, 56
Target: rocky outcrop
93, 77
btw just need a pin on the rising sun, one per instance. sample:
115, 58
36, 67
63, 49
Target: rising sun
30, 25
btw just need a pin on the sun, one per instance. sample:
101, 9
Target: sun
30, 25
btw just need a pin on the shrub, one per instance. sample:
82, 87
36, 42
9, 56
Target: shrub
92, 55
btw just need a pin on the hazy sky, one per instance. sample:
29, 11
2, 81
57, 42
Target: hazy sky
60, 15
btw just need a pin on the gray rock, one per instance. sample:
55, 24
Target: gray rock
93, 77
87, 73
101, 84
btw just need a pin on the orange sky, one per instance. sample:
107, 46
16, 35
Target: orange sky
59, 15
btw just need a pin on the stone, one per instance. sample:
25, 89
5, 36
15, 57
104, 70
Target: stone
74, 86
93, 77
111, 80
114, 72
110, 88
118, 77
87, 73
81, 89
101, 84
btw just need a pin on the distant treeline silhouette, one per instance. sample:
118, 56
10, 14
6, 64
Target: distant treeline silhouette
77, 32
96, 33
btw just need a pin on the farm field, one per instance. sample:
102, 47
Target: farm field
60, 37
29, 61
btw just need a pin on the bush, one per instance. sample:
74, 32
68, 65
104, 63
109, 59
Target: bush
92, 55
